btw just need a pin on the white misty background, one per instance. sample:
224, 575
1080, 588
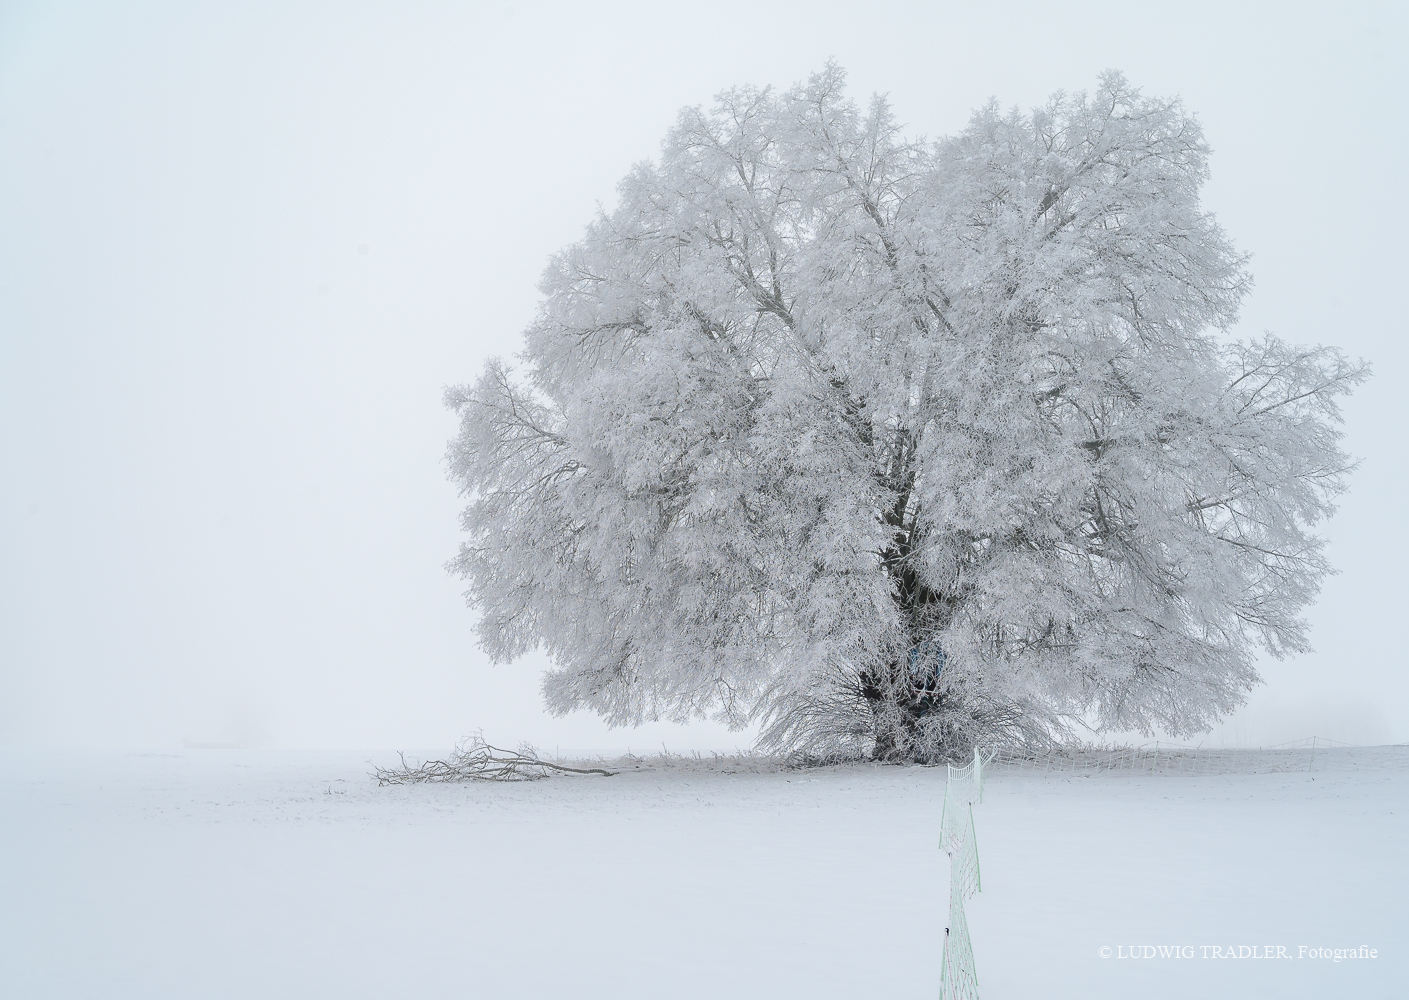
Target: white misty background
242, 251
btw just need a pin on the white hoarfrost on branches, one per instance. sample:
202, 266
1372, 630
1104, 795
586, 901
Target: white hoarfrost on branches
893, 446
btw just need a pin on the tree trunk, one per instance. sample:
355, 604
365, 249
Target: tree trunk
898, 703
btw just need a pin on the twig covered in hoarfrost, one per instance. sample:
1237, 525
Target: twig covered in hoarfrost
476, 760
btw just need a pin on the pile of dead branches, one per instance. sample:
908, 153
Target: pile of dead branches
476, 760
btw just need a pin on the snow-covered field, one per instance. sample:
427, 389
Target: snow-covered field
262, 874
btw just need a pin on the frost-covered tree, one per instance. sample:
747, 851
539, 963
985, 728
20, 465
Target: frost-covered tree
902, 445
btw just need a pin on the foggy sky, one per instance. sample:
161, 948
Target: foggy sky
243, 249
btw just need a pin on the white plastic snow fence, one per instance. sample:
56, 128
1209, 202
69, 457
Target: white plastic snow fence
962, 788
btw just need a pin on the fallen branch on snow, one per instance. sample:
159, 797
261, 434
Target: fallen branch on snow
476, 760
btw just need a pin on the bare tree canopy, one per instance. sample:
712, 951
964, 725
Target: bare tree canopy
897, 445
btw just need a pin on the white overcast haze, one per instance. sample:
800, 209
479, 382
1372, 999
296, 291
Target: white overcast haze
244, 246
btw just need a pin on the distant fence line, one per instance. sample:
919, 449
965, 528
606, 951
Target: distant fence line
1314, 753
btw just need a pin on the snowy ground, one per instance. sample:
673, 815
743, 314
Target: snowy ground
261, 874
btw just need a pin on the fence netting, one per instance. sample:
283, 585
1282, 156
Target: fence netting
957, 838
1311, 754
